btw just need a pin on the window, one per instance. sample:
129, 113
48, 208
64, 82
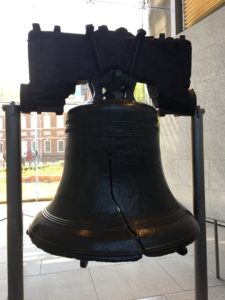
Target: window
34, 146
1, 122
60, 146
47, 146
33, 120
195, 11
23, 122
60, 121
24, 148
47, 121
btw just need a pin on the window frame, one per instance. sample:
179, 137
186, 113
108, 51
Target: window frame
50, 146
58, 147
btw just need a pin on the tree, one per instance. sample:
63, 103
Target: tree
139, 92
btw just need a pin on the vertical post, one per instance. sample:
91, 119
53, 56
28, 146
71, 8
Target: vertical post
179, 16
14, 203
201, 279
216, 249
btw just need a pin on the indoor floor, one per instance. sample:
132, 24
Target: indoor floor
48, 277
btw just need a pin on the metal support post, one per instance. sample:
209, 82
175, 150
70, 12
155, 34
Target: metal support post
14, 203
201, 279
216, 249
179, 16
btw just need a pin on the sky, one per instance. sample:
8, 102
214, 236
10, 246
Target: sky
16, 20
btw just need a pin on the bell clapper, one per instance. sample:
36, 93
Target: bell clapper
83, 263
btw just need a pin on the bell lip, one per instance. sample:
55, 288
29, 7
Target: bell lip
70, 253
172, 247
111, 257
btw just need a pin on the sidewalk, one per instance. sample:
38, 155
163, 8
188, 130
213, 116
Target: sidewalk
48, 277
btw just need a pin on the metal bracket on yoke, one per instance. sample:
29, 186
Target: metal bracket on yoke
114, 84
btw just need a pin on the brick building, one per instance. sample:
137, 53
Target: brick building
43, 135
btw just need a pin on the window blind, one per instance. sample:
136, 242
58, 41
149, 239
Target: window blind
195, 10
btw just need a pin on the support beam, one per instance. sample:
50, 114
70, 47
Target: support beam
179, 16
14, 203
201, 279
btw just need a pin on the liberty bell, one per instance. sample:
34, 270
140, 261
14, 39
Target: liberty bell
113, 203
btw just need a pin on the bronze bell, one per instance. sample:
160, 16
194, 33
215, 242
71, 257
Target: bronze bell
113, 202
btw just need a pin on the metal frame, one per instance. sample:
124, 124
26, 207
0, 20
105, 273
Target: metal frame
216, 223
179, 27
216, 240
14, 204
201, 279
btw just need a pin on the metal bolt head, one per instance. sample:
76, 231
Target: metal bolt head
36, 27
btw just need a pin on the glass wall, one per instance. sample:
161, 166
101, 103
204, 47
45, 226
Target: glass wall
43, 135
42, 150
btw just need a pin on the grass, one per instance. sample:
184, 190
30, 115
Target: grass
56, 169
40, 183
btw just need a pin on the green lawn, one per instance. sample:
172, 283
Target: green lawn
43, 170
40, 183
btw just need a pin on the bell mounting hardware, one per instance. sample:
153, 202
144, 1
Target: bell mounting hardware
113, 203
112, 61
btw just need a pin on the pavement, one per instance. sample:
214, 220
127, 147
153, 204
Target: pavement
170, 277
